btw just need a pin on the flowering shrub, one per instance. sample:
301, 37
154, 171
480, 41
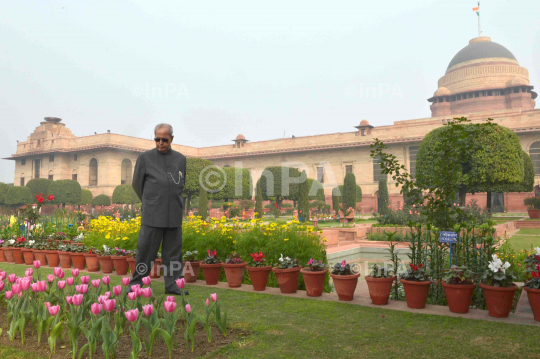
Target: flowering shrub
212, 257
233, 259
534, 282
257, 260
415, 273
316, 266
342, 268
458, 275
286, 262
532, 261
499, 274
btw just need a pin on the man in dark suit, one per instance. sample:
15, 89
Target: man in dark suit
158, 179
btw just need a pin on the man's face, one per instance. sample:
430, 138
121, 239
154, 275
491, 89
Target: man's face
162, 146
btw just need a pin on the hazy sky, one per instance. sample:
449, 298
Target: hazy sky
229, 67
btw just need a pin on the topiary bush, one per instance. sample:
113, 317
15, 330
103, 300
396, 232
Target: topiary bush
66, 192
102, 200
17, 196
4, 188
39, 186
125, 194
86, 197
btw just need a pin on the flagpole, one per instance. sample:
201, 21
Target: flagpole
479, 32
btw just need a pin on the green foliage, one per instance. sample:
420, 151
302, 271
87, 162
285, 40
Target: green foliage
349, 191
238, 184
316, 190
279, 183
532, 202
526, 185
125, 194
203, 203
303, 201
194, 166
335, 199
17, 196
4, 188
246, 204
384, 199
339, 193
86, 197
39, 185
319, 205
66, 192
102, 200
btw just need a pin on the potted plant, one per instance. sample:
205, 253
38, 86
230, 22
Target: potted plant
499, 288
64, 255
211, 268
345, 280
17, 250
531, 262
287, 273
2, 257
28, 252
7, 248
234, 270
131, 259
104, 259
91, 259
533, 205
120, 263
258, 271
314, 276
532, 287
77, 255
379, 284
458, 287
191, 266
39, 252
155, 272
51, 252
416, 285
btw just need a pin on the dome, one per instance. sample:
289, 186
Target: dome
240, 137
517, 81
52, 119
364, 123
480, 48
442, 91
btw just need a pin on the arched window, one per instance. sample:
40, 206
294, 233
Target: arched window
93, 173
377, 170
126, 172
535, 156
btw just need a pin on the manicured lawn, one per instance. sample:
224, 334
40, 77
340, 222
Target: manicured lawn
529, 231
524, 242
505, 219
284, 327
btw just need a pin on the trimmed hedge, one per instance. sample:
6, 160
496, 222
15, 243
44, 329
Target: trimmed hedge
86, 197
66, 192
39, 185
125, 194
102, 200
17, 196
4, 188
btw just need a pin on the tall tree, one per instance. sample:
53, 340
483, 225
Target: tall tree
39, 186
358, 193
384, 198
66, 192
280, 183
335, 199
259, 201
349, 191
194, 167
303, 199
203, 203
235, 184
4, 188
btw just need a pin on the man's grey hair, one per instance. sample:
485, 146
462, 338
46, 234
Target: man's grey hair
166, 125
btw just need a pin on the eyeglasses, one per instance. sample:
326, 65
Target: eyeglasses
165, 140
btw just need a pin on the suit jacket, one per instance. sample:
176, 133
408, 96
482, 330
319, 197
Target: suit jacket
159, 185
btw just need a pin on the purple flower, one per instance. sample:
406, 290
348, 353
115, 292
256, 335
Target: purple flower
310, 261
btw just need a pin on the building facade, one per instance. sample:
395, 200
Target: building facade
484, 80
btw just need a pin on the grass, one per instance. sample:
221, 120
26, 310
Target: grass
524, 242
284, 327
499, 220
529, 231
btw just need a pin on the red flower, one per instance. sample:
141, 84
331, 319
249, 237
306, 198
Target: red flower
51, 197
275, 204
21, 239
40, 200
411, 265
211, 253
420, 265
534, 274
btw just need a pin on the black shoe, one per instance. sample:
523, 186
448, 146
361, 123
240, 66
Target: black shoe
176, 292
128, 290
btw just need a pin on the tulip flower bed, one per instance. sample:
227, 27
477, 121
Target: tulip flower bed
67, 312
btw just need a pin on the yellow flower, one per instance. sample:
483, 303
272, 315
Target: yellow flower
108, 236
124, 238
286, 239
234, 241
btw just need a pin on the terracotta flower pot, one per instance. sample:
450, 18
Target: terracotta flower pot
78, 260
53, 259
499, 299
106, 264
65, 259
314, 281
287, 278
28, 256
18, 255
120, 264
416, 293
458, 296
211, 272
92, 262
40, 256
379, 289
235, 273
345, 285
155, 272
191, 271
259, 276
2, 257
8, 254
534, 301
131, 263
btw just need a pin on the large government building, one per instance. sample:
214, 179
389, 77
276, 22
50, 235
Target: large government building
483, 80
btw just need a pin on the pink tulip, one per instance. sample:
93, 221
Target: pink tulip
138, 292
147, 292
16, 288
8, 294
61, 284
37, 264
132, 295
102, 299
34, 287
85, 279
70, 281
3, 275
134, 287
207, 302
181, 282
125, 281
132, 315
171, 298
170, 307
148, 309
47, 305
57, 271
61, 274
12, 278
75, 272
213, 297
2, 285
146, 280
107, 294
69, 300
25, 284
50, 278
29, 272
77, 299
96, 283
117, 290
42, 285
18, 280
82, 289
188, 308
96, 308
109, 305
106, 280
53, 310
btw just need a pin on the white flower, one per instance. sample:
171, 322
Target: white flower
537, 249
281, 259
497, 265
31, 242
11, 241
287, 258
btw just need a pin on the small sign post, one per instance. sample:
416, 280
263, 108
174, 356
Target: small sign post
449, 237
